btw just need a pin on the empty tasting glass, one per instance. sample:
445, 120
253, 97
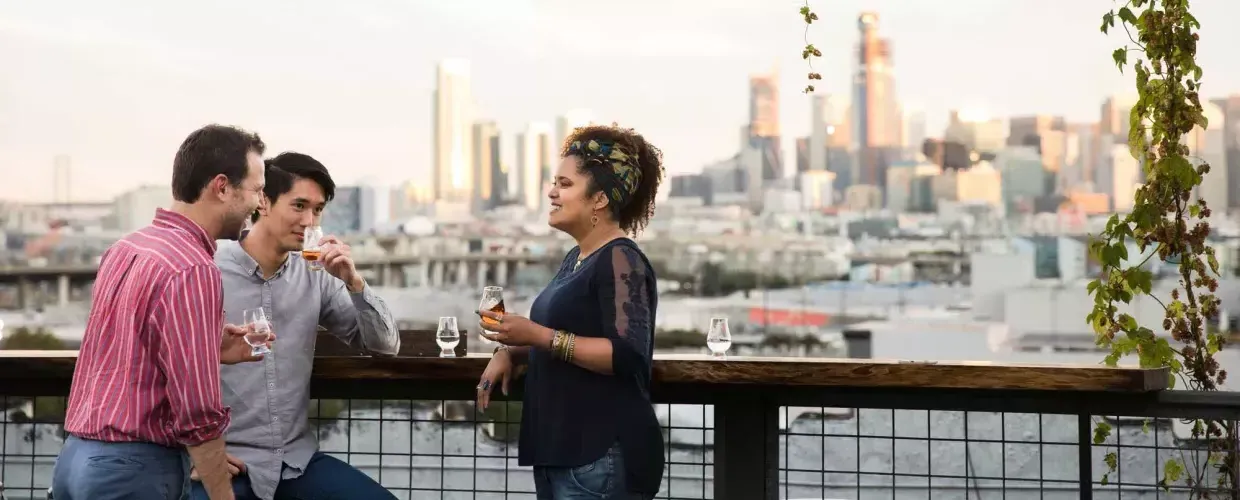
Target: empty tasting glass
719, 338
257, 330
447, 336
310, 249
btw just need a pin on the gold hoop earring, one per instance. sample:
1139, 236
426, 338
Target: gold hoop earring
593, 221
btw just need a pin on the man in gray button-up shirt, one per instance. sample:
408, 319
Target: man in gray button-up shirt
270, 442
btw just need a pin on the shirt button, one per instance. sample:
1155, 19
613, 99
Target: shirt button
271, 385
279, 451
275, 419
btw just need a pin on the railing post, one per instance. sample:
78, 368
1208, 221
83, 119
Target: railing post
1085, 455
746, 448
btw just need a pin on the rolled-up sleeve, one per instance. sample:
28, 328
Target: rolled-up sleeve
625, 297
190, 320
360, 319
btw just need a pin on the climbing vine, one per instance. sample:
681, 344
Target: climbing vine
809, 53
1169, 222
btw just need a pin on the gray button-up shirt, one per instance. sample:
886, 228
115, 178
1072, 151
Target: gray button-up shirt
270, 398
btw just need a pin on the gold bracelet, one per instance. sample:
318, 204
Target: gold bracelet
561, 345
563, 352
557, 341
572, 346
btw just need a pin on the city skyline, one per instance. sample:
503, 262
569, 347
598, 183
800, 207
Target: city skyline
115, 88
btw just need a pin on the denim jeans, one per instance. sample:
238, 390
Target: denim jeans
600, 479
97, 470
325, 478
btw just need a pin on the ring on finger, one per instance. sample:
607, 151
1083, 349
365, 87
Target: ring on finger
486, 384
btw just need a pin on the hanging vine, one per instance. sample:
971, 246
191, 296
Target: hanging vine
809, 52
1169, 222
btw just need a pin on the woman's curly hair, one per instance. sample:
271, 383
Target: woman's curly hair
634, 215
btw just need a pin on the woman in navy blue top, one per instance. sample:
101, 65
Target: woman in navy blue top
587, 425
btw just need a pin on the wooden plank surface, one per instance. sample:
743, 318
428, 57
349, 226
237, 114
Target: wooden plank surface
679, 369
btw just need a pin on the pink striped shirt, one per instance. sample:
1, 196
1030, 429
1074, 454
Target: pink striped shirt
149, 366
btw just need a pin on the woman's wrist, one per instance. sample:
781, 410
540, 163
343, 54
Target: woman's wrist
545, 339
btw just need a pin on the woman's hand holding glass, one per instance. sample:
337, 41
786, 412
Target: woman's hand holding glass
514, 330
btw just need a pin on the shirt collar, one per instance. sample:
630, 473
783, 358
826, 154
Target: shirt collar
175, 221
236, 255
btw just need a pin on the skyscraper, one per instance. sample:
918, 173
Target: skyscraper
490, 181
565, 123
877, 118
763, 128
452, 129
534, 163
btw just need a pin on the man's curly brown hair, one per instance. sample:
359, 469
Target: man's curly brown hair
635, 215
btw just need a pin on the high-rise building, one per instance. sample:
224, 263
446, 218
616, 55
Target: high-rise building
490, 181
877, 128
914, 123
1209, 145
565, 123
534, 164
452, 130
1231, 138
820, 127
762, 133
1048, 135
1114, 121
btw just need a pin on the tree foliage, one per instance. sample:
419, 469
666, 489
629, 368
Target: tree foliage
1169, 221
26, 339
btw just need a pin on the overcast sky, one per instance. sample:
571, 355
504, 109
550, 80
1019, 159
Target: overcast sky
117, 84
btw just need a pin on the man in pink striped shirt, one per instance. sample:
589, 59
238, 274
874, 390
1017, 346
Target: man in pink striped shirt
147, 382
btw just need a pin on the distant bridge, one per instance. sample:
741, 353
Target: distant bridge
476, 269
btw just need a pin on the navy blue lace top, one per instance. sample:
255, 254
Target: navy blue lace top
571, 416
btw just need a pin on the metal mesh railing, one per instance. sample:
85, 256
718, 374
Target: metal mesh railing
416, 449
928, 454
446, 450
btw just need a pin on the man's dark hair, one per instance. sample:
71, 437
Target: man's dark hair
283, 170
210, 151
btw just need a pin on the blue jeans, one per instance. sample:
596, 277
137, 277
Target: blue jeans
600, 479
325, 478
97, 470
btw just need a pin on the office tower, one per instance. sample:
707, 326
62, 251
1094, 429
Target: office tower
535, 159
452, 130
877, 129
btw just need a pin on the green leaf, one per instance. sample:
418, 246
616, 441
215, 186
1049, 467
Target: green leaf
1173, 470
1176, 309
1192, 21
1126, 15
1141, 279
1101, 432
1108, 20
1120, 56
1214, 343
1112, 460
